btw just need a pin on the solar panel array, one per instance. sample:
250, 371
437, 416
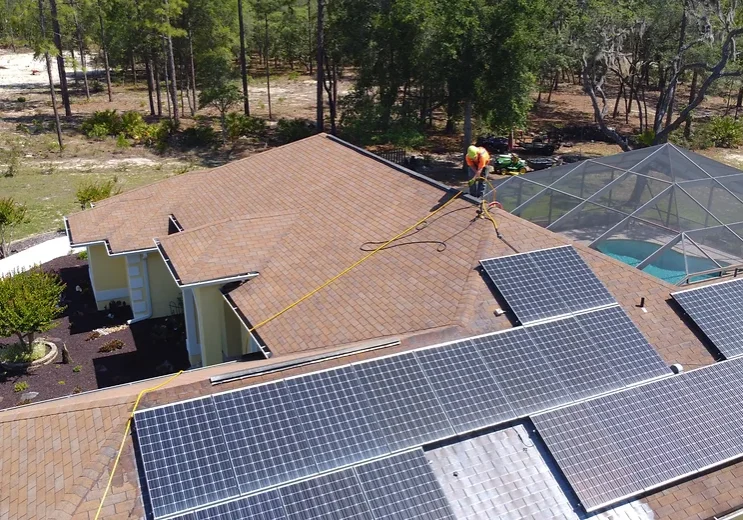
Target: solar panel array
717, 310
401, 486
619, 445
544, 284
262, 436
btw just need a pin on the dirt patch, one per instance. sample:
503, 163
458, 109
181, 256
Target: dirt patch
147, 349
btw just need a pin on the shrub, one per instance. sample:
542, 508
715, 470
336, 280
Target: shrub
110, 346
21, 99
93, 335
96, 87
160, 134
77, 369
102, 123
11, 156
288, 130
93, 191
134, 126
242, 125
12, 214
200, 135
77, 390
29, 304
122, 141
21, 386
61, 382
82, 255
18, 353
724, 131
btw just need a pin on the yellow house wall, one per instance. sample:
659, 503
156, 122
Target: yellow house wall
107, 273
233, 332
211, 324
163, 289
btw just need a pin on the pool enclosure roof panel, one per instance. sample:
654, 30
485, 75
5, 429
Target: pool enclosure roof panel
678, 214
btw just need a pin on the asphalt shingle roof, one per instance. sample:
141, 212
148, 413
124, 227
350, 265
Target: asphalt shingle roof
56, 456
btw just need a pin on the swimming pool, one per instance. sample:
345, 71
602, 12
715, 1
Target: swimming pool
670, 266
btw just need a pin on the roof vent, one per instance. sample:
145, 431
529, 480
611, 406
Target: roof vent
677, 368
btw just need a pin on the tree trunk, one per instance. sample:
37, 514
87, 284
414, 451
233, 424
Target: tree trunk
309, 34
320, 69
739, 102
268, 72
692, 95
243, 58
156, 74
74, 66
467, 131
81, 50
173, 87
150, 80
193, 72
48, 60
57, 36
331, 88
134, 70
166, 73
671, 102
105, 53
619, 96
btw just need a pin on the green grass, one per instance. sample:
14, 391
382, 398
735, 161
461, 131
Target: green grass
18, 354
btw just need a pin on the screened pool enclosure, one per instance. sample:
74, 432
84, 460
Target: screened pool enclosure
672, 213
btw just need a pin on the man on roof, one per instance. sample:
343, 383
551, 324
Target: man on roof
478, 160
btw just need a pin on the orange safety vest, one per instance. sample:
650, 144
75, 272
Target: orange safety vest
481, 161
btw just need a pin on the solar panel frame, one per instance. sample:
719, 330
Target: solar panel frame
403, 486
618, 445
184, 456
264, 436
332, 496
717, 309
467, 391
336, 418
403, 401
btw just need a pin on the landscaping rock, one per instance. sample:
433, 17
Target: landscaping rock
29, 395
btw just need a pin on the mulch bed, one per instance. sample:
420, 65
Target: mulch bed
150, 348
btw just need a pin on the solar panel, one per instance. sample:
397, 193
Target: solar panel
334, 496
404, 487
717, 310
523, 374
543, 284
184, 456
465, 388
403, 401
264, 506
337, 419
527, 292
622, 444
264, 436
620, 342
571, 278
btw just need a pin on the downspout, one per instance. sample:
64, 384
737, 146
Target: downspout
146, 288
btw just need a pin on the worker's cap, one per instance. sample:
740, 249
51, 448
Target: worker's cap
472, 151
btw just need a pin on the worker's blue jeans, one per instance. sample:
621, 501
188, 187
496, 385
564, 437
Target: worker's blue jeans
477, 188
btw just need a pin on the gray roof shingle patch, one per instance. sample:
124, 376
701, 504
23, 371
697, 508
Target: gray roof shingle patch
502, 475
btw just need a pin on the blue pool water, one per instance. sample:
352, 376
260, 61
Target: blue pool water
669, 267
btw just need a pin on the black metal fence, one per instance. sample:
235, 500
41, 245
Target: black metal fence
397, 156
